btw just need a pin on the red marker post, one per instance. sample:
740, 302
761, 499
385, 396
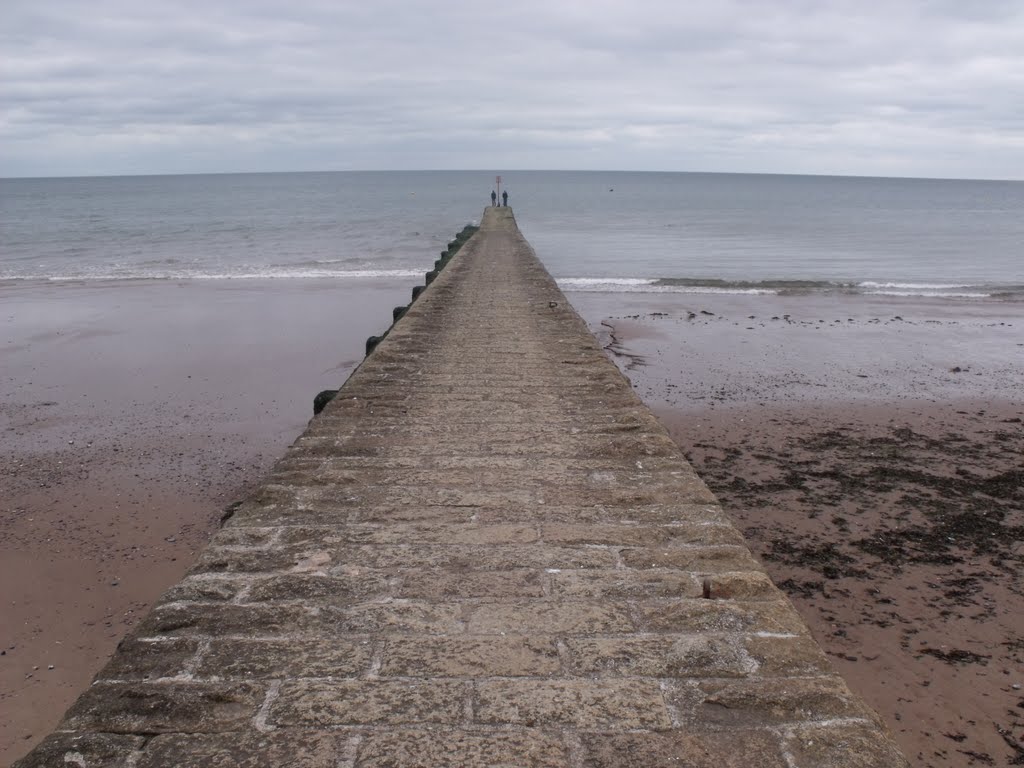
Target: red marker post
497, 181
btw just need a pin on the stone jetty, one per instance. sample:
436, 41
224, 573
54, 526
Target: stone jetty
484, 551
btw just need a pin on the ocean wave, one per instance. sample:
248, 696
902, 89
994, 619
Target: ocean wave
772, 285
785, 287
689, 285
340, 274
943, 290
316, 263
936, 294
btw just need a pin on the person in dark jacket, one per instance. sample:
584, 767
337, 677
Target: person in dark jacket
494, 198
504, 198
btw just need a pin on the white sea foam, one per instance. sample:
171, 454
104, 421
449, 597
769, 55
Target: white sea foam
347, 274
934, 290
713, 289
646, 285
599, 283
270, 274
871, 284
935, 294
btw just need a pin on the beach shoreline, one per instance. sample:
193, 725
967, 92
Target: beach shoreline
882, 490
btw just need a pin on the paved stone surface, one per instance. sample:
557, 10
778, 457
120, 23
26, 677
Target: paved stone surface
485, 551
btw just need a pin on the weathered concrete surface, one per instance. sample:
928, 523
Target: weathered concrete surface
484, 552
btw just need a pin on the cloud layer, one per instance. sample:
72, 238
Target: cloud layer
790, 86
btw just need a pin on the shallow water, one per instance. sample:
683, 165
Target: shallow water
612, 232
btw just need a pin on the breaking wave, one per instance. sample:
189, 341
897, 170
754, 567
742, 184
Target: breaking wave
240, 274
792, 287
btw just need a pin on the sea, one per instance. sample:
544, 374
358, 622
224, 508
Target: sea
595, 231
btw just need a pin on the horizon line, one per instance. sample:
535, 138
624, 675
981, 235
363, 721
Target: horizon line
514, 171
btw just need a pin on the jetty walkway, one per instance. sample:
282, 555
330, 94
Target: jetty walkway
485, 551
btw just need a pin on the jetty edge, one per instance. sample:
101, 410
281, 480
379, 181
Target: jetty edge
325, 396
485, 550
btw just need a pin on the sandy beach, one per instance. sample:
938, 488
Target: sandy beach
871, 452
131, 415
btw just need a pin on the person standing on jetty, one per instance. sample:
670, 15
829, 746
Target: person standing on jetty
504, 198
494, 199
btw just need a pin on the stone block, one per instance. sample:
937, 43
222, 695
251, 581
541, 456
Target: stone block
321, 588
319, 704
711, 559
585, 704
217, 560
473, 749
398, 616
624, 583
691, 616
202, 589
576, 514
149, 659
660, 656
322, 657
639, 444
464, 656
549, 617
843, 745
765, 701
394, 532
675, 749
476, 557
680, 492
788, 656
292, 748
414, 513
290, 513
741, 585
151, 707
443, 584
640, 535
94, 750
243, 537
212, 619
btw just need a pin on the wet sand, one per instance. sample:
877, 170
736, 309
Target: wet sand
130, 416
871, 452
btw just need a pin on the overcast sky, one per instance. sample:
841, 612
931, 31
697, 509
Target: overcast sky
783, 86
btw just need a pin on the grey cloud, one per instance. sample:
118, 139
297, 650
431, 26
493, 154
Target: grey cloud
908, 88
